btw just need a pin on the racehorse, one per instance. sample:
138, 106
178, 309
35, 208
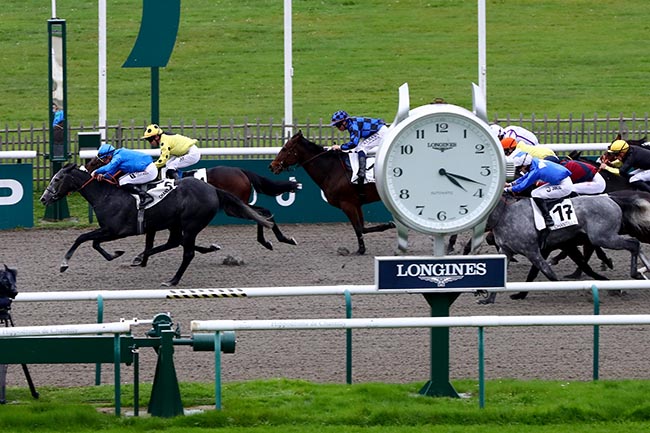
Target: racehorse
329, 171
513, 226
187, 209
241, 183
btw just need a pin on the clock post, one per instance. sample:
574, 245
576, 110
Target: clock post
440, 171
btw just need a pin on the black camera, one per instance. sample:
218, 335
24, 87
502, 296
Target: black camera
8, 290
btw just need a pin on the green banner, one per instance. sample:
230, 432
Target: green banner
307, 205
16, 196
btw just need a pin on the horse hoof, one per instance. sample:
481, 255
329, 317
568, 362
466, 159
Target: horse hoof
268, 245
485, 301
290, 241
170, 283
215, 247
137, 261
63, 268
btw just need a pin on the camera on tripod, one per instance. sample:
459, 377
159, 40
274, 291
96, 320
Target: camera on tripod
8, 291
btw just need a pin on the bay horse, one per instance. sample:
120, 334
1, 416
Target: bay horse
185, 211
599, 220
329, 171
241, 183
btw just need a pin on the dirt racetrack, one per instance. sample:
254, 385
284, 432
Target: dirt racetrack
397, 356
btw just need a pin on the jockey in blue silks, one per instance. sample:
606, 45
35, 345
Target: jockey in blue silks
555, 179
366, 133
135, 168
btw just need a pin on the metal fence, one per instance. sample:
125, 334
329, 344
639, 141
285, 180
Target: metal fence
579, 129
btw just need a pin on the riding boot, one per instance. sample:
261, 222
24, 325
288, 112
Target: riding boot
172, 174
145, 198
361, 174
543, 207
641, 186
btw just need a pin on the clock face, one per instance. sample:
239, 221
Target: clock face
441, 170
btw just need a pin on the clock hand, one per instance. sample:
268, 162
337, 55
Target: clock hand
443, 172
458, 176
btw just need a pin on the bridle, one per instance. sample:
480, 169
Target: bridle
293, 153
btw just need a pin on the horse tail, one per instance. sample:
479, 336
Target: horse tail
271, 187
234, 207
635, 206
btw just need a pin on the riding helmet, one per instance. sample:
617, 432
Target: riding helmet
498, 130
618, 146
339, 117
105, 150
508, 143
152, 130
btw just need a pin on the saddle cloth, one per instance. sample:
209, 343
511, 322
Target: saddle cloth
353, 158
158, 190
561, 211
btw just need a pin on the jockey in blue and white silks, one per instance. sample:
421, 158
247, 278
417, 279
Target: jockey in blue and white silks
555, 178
135, 168
366, 133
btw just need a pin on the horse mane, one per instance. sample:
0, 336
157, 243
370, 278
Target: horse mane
304, 140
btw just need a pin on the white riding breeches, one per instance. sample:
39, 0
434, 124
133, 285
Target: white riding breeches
596, 186
191, 157
140, 177
554, 191
640, 176
375, 140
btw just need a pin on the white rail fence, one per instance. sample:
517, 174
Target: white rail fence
479, 322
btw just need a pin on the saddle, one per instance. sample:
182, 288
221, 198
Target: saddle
158, 190
561, 210
352, 162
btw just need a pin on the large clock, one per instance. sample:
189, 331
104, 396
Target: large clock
440, 170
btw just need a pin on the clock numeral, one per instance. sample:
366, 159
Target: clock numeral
404, 194
464, 133
462, 210
406, 149
419, 133
442, 127
486, 170
419, 209
478, 193
479, 148
397, 172
442, 215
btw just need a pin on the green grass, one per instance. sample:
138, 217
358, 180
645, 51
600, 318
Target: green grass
555, 57
297, 406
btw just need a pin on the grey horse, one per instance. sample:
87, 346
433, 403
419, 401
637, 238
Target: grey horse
599, 221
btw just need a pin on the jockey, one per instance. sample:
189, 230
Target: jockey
585, 177
635, 165
135, 168
517, 150
517, 132
366, 133
176, 151
556, 183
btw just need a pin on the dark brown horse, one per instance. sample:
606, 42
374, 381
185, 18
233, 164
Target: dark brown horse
241, 183
329, 171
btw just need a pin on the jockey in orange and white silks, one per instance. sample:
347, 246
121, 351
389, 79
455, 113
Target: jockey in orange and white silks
176, 151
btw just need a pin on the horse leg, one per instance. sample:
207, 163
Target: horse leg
276, 230
452, 243
353, 212
173, 241
99, 235
141, 260
97, 245
606, 262
379, 227
188, 254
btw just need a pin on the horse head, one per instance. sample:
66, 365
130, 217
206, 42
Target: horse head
296, 151
66, 181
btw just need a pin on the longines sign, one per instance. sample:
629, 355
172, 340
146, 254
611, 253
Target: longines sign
440, 274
